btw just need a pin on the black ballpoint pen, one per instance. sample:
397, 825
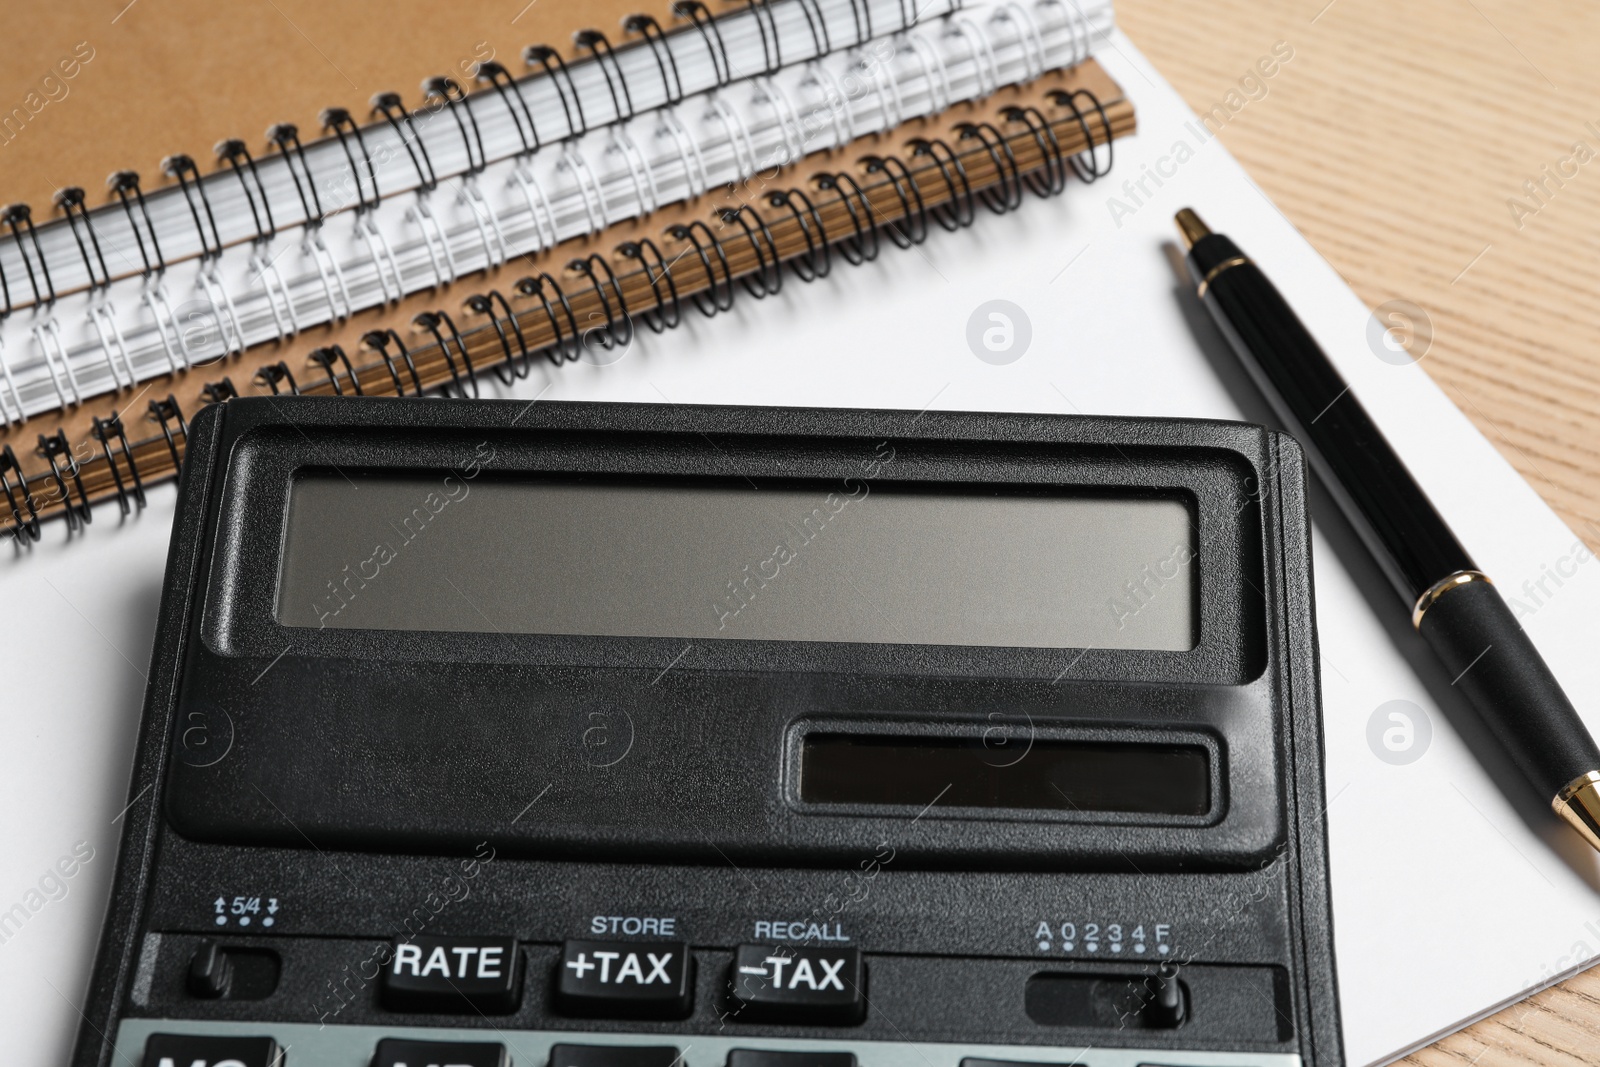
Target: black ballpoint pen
1453, 604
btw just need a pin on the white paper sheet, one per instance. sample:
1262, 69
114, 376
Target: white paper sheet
1446, 903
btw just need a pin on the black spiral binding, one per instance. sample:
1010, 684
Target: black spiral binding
567, 346
448, 93
273, 375
184, 169
1092, 169
765, 19
122, 183
431, 321
236, 154
606, 59
913, 227
327, 358
862, 245
233, 155
1005, 195
655, 273
57, 450
71, 201
807, 268
511, 368
20, 528
219, 391
394, 112
958, 212
649, 31
343, 125
818, 25
1052, 177
861, 10
768, 277
167, 412
618, 329
287, 137
20, 217
555, 68
500, 79
709, 302
857, 243
378, 341
703, 21
105, 431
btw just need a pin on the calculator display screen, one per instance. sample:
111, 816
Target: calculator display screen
847, 561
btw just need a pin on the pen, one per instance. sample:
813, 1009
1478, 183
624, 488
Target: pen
1453, 604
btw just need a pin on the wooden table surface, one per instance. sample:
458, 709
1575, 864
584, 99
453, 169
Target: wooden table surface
1398, 139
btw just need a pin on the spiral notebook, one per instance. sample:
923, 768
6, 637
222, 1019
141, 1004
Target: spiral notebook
305, 233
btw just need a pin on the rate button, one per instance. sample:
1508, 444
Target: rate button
452, 974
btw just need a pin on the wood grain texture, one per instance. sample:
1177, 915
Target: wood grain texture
1398, 139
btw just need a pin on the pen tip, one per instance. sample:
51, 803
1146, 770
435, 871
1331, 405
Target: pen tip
1579, 804
1190, 226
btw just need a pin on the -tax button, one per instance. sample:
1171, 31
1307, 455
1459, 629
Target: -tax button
792, 984
452, 974
625, 979
394, 1052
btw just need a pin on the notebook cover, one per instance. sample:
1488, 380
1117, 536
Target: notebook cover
88, 88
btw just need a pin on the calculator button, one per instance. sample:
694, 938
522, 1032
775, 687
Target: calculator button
760, 1057
394, 1052
625, 979
783, 982
614, 1056
196, 1051
452, 974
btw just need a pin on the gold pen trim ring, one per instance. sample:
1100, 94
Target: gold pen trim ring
1579, 804
1440, 588
1205, 283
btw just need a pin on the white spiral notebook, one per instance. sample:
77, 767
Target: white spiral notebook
255, 247
1432, 928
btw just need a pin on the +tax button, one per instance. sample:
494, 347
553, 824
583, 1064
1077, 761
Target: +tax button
625, 979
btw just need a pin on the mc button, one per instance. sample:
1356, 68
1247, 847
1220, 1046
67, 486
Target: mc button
625, 979
191, 1050
792, 984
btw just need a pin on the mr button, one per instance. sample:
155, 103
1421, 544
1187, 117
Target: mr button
787, 983
625, 979
394, 1052
452, 974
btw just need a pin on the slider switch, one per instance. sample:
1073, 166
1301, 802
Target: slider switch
1166, 1009
210, 972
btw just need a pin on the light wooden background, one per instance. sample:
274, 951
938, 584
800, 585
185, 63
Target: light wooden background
1394, 140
